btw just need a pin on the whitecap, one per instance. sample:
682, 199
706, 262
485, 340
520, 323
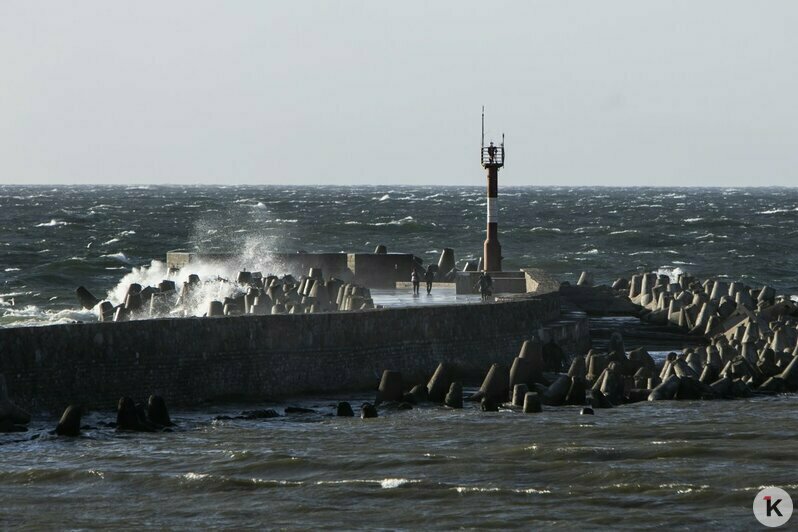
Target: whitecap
121, 257
195, 476
672, 272
692, 220
31, 315
12, 269
778, 211
384, 198
386, 483
390, 483
403, 221
625, 231
112, 241
16, 294
474, 489
52, 223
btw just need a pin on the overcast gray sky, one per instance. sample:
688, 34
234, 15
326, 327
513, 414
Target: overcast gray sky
349, 92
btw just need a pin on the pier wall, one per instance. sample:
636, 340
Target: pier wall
194, 360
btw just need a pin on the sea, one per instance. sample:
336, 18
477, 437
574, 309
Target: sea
683, 465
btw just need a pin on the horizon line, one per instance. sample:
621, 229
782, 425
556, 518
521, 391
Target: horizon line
327, 185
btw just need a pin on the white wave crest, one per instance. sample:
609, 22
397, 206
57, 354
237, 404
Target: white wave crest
778, 211
32, 315
52, 223
121, 257
403, 221
671, 271
545, 230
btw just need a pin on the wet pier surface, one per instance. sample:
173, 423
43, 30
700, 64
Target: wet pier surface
404, 297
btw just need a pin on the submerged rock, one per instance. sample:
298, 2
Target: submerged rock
454, 399
69, 424
344, 409
367, 411
157, 412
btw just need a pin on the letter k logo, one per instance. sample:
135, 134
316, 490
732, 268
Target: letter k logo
772, 506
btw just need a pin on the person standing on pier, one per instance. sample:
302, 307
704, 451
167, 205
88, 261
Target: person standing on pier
414, 278
429, 277
485, 284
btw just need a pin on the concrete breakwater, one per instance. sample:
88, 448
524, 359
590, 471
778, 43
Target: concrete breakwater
189, 361
752, 335
753, 331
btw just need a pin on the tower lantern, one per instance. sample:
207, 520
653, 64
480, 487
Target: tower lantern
492, 158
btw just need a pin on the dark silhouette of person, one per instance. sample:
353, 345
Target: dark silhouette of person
492, 152
485, 284
553, 357
416, 282
429, 277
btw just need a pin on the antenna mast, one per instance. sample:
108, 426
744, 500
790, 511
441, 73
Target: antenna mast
482, 144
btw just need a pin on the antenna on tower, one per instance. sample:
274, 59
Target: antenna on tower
482, 144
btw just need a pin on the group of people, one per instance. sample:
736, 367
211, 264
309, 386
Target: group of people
484, 283
429, 276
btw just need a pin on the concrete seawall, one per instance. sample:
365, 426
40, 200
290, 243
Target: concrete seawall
193, 360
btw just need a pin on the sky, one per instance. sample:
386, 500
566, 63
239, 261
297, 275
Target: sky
611, 92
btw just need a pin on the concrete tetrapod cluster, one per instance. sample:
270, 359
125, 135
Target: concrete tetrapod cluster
287, 295
709, 308
391, 394
251, 293
532, 367
753, 332
717, 371
534, 379
615, 377
130, 416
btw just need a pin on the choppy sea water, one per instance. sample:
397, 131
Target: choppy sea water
54, 239
685, 465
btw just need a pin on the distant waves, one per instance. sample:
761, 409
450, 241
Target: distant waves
52, 240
